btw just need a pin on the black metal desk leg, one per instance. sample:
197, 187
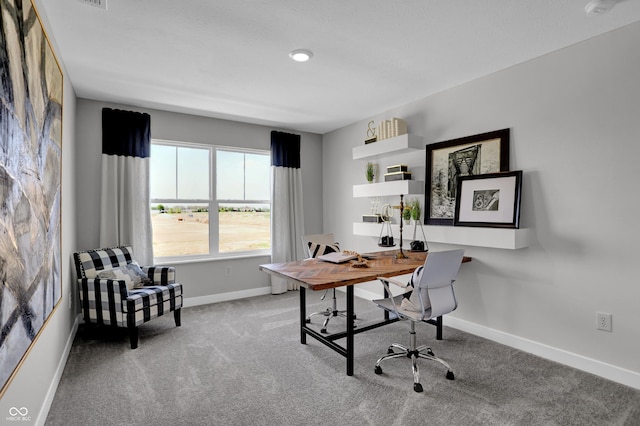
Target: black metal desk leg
439, 328
303, 315
350, 330
386, 313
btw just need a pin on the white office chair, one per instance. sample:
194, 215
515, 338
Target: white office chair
317, 245
432, 297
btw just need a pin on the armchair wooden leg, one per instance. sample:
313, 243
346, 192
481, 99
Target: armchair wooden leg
133, 337
176, 316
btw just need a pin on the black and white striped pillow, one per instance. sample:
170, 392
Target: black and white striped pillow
319, 249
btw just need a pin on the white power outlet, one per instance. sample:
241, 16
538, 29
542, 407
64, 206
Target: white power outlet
228, 271
603, 321
102, 4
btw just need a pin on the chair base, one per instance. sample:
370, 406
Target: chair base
414, 353
93, 331
329, 313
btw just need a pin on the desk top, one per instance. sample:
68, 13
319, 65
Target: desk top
315, 274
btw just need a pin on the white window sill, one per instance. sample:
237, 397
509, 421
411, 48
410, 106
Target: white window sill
203, 259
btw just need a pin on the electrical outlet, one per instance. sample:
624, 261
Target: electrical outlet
228, 271
101, 4
603, 321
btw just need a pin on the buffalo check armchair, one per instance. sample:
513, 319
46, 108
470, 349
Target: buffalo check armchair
116, 291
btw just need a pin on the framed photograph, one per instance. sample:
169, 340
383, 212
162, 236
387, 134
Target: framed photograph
449, 160
490, 200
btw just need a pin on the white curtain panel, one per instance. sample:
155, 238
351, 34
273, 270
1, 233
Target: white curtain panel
287, 219
125, 218
287, 222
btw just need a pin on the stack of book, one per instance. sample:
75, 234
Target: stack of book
398, 172
391, 128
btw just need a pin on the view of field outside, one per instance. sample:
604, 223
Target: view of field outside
183, 200
187, 233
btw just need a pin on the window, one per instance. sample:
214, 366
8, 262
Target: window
209, 200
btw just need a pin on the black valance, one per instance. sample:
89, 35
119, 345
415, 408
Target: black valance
126, 133
285, 150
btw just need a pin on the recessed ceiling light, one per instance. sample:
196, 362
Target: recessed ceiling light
300, 55
599, 7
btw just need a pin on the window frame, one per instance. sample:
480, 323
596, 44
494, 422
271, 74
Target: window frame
213, 203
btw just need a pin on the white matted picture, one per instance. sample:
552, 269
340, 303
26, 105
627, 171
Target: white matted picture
490, 200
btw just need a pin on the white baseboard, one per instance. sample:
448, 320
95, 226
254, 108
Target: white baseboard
53, 386
223, 297
599, 368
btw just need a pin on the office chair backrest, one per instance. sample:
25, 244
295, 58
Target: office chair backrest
436, 283
319, 244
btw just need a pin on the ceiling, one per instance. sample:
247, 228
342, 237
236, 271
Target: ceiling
229, 58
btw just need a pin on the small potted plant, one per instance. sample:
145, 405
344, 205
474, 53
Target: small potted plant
371, 172
406, 213
416, 210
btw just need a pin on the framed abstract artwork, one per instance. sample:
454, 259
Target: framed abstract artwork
490, 200
30, 181
447, 161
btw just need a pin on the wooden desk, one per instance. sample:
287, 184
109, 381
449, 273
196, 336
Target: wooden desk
314, 274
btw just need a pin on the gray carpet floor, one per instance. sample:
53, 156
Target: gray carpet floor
241, 363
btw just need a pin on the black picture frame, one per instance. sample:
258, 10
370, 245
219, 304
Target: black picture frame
490, 200
479, 154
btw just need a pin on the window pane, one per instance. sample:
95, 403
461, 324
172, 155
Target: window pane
257, 171
180, 229
181, 178
230, 175
193, 174
244, 227
162, 171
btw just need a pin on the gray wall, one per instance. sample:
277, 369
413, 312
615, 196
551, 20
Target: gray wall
205, 280
574, 117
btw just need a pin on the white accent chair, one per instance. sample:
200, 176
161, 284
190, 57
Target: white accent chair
432, 297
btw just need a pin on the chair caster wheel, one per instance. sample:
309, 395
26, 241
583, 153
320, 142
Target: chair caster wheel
390, 351
377, 369
430, 352
450, 375
323, 330
417, 387
308, 320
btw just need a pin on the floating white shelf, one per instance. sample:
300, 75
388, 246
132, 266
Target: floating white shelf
386, 189
396, 145
460, 235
